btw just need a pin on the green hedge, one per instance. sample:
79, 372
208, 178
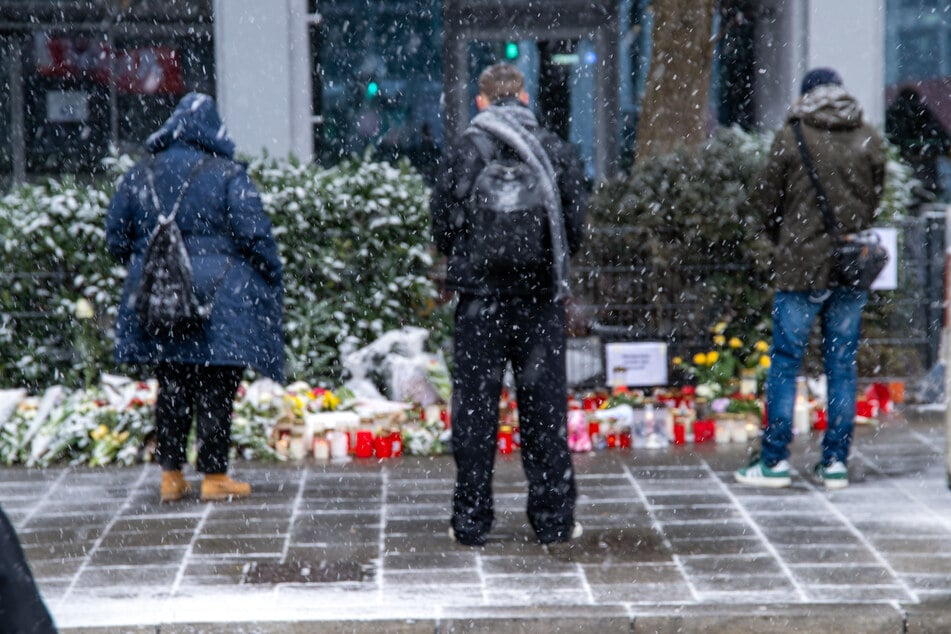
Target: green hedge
354, 239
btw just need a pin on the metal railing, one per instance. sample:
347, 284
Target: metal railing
636, 301
632, 301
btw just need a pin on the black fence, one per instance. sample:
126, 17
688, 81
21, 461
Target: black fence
619, 300
635, 301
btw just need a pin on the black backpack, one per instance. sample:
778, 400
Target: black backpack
508, 229
165, 301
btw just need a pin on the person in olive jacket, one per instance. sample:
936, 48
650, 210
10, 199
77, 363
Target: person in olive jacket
235, 265
849, 157
509, 315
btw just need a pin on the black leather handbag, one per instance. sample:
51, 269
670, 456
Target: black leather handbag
857, 258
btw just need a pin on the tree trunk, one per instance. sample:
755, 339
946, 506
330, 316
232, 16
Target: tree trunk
675, 108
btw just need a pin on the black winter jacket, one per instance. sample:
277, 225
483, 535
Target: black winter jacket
458, 169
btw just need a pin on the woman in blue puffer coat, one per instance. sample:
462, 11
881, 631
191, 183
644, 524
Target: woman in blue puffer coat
235, 265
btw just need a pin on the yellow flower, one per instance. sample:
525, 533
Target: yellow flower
331, 400
700, 359
762, 346
719, 340
297, 404
124, 436
99, 432
720, 328
712, 357
678, 361
735, 342
764, 361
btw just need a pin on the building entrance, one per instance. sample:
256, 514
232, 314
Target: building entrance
559, 79
567, 51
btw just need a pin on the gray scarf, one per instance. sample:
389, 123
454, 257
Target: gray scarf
512, 124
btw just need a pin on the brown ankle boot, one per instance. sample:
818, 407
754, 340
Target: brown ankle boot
174, 486
218, 486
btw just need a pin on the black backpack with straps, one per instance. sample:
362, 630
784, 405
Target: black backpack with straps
165, 300
507, 223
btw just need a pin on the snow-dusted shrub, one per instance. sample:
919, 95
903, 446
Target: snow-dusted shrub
52, 253
354, 239
685, 249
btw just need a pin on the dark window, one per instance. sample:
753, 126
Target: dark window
74, 85
380, 79
916, 58
6, 129
66, 101
151, 75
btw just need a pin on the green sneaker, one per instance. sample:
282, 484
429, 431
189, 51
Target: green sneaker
834, 475
758, 474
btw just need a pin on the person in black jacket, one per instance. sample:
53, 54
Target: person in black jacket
515, 315
21, 607
922, 140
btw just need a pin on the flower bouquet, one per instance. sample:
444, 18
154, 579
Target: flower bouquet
729, 367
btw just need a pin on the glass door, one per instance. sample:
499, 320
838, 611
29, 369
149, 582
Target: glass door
560, 82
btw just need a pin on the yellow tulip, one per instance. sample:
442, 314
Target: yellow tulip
700, 359
331, 400
735, 342
712, 357
678, 361
720, 328
99, 432
719, 340
764, 361
762, 346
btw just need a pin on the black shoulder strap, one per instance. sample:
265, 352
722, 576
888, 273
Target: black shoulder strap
832, 226
181, 192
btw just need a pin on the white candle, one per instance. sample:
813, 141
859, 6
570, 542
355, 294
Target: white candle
740, 432
722, 431
801, 417
338, 444
321, 449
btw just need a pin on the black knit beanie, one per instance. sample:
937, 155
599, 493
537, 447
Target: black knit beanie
819, 77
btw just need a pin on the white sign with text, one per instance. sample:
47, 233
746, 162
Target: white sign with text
887, 280
641, 364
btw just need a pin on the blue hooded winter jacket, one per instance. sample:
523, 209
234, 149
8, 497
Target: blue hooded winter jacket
228, 237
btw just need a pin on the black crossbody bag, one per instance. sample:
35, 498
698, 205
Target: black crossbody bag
857, 258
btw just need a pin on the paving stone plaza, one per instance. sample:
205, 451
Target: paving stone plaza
671, 543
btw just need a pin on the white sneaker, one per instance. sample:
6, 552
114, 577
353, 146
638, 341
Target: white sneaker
758, 474
577, 530
834, 476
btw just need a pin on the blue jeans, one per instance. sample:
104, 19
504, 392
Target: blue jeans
794, 313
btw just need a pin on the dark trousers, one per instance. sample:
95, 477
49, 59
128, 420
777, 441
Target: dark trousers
530, 333
204, 393
21, 607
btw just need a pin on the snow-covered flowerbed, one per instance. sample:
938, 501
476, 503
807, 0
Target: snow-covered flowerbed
112, 422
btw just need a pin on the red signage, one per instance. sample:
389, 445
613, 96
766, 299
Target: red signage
148, 70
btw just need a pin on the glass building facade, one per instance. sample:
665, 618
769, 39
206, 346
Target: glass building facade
80, 76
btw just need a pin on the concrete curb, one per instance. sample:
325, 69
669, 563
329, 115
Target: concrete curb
856, 618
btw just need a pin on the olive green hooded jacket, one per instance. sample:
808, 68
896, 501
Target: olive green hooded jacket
850, 160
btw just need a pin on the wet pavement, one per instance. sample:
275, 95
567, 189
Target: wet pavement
671, 543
